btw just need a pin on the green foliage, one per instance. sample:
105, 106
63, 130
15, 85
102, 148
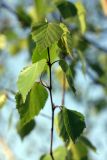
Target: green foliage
35, 101
82, 16
60, 127
74, 123
37, 56
68, 73
67, 9
66, 43
26, 129
28, 76
60, 152
45, 34
66, 39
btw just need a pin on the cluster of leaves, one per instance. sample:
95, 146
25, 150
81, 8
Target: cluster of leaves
67, 44
32, 96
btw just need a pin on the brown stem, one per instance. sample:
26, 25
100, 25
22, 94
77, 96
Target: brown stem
63, 90
52, 105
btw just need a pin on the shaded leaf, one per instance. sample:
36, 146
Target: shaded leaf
26, 129
74, 123
35, 101
28, 76
60, 127
67, 9
67, 70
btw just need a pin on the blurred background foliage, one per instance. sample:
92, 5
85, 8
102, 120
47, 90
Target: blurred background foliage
88, 62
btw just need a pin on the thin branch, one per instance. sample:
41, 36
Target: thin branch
52, 105
63, 90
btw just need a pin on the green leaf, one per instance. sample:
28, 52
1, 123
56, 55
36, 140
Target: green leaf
45, 34
37, 56
35, 101
85, 141
28, 76
66, 39
74, 123
54, 51
60, 127
26, 129
59, 153
79, 151
67, 70
81, 15
67, 9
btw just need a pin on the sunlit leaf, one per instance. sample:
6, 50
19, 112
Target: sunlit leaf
45, 34
35, 101
79, 151
28, 76
37, 55
66, 38
81, 15
60, 152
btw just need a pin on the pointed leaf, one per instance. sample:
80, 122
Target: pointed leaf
45, 34
66, 38
86, 141
28, 76
35, 101
74, 123
26, 129
60, 127
81, 16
